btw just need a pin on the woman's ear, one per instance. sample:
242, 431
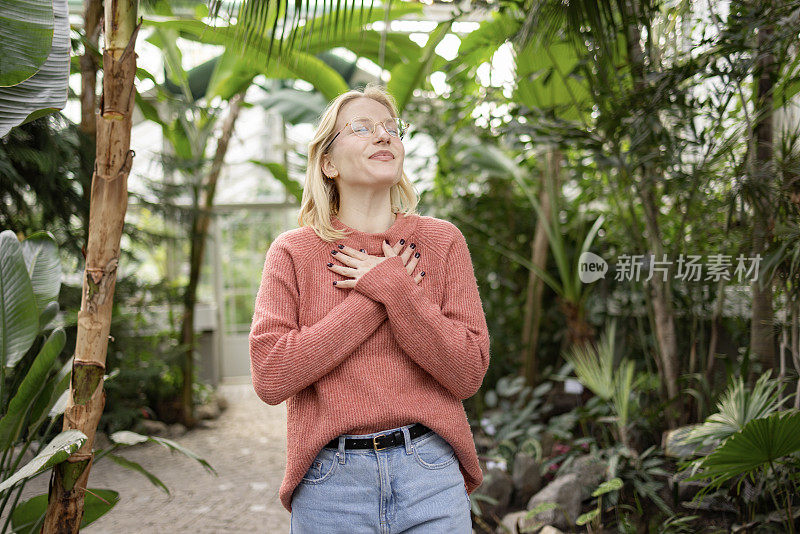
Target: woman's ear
328, 168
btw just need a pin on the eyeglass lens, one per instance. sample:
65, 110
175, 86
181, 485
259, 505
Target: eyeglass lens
366, 127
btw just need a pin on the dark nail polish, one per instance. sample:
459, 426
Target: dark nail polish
416, 255
340, 246
330, 265
402, 241
333, 252
387, 241
413, 245
422, 273
334, 282
364, 251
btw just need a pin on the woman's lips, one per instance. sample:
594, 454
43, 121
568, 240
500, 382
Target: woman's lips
382, 157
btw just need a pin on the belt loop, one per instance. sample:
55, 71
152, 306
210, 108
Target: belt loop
407, 438
341, 452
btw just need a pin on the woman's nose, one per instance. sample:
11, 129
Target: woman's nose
383, 133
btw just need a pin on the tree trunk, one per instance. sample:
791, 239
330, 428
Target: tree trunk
661, 298
109, 202
92, 11
660, 291
199, 232
762, 334
533, 301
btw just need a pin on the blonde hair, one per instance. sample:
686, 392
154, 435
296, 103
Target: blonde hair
320, 197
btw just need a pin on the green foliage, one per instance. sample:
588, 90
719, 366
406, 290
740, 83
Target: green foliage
757, 447
34, 71
35, 385
597, 370
512, 418
738, 406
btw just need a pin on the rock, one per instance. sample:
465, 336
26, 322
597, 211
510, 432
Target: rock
547, 442
590, 470
513, 522
686, 489
176, 430
549, 529
496, 484
527, 478
208, 411
672, 442
222, 402
565, 491
151, 427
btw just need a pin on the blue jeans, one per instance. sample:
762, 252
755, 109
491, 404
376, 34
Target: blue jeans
416, 488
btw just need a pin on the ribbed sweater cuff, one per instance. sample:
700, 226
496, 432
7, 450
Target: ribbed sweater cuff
386, 277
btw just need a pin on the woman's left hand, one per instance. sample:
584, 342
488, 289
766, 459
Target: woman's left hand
356, 260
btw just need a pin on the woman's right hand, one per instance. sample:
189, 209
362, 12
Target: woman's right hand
358, 262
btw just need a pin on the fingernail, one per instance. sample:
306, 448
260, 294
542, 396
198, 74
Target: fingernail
387, 241
334, 282
364, 251
340, 246
333, 252
330, 265
422, 273
402, 241
416, 255
412, 245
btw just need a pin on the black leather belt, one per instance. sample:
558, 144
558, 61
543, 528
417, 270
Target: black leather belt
384, 441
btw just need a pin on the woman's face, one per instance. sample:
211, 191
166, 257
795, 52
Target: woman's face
354, 159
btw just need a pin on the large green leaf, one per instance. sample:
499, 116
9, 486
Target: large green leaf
126, 437
44, 267
280, 173
46, 90
760, 443
234, 74
548, 78
408, 76
28, 515
19, 318
478, 47
133, 466
26, 31
30, 388
54, 390
58, 450
737, 407
295, 106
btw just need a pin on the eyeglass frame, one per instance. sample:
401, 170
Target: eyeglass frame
374, 127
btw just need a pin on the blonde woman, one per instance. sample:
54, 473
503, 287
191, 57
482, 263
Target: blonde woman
368, 323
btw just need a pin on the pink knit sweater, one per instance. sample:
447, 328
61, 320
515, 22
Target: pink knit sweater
386, 353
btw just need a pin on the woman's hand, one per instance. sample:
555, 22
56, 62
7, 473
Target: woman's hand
359, 262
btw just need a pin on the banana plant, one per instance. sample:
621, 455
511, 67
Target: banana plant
34, 70
35, 387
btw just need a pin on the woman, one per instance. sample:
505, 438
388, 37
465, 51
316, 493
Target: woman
372, 359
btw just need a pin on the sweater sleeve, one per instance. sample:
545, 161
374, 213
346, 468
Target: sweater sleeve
452, 342
285, 358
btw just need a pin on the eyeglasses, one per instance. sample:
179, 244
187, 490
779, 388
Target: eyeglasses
365, 127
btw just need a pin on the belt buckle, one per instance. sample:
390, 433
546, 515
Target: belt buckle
375, 442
